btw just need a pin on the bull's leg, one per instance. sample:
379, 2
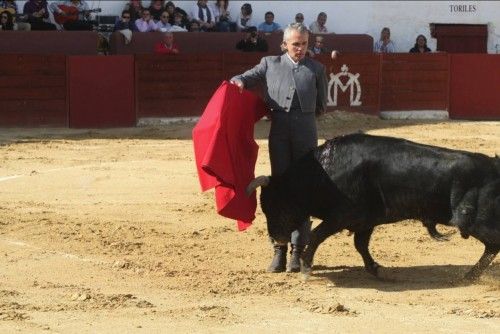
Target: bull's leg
361, 241
319, 234
433, 232
490, 251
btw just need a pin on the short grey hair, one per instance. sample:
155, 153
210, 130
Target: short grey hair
299, 27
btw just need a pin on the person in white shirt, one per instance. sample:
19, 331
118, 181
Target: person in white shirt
385, 44
318, 26
203, 14
223, 20
146, 22
163, 24
244, 19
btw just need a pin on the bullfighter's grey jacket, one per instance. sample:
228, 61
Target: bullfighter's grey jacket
283, 77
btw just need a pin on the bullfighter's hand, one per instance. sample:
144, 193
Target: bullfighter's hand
238, 83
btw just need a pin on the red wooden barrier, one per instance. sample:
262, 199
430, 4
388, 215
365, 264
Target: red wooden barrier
357, 77
414, 82
176, 85
101, 91
49, 42
33, 91
475, 86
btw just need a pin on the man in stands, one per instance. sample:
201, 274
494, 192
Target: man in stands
163, 25
166, 46
146, 23
253, 42
318, 26
38, 15
203, 14
62, 10
125, 22
269, 26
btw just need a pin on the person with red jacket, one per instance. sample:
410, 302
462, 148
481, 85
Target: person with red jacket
166, 46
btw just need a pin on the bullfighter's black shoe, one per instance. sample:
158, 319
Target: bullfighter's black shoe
278, 265
294, 264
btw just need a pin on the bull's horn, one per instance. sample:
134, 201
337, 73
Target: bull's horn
260, 181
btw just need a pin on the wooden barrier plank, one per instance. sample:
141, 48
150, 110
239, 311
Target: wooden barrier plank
32, 105
474, 86
38, 80
37, 93
33, 113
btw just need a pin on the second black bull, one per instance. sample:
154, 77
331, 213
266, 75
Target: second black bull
358, 181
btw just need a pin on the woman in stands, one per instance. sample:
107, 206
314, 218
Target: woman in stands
172, 10
7, 21
385, 44
135, 8
420, 45
244, 19
223, 20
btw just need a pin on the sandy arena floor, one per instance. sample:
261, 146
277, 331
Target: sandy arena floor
106, 231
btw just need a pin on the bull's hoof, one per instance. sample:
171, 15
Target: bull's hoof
472, 276
373, 268
441, 237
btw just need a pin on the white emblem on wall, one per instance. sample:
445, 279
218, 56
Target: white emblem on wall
352, 83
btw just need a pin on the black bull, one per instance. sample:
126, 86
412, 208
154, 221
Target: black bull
358, 181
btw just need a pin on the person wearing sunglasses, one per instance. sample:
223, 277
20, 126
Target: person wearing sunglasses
163, 24
125, 22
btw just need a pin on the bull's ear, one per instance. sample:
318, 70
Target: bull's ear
260, 181
465, 211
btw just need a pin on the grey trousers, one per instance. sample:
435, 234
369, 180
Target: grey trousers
292, 135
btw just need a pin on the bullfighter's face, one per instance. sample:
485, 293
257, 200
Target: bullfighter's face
296, 45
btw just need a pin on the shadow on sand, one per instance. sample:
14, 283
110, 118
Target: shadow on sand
392, 279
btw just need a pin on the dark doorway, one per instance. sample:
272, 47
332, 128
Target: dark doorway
460, 38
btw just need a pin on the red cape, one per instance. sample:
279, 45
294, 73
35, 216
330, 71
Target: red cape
226, 152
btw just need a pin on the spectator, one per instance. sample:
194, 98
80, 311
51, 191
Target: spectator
18, 20
252, 42
299, 18
420, 45
156, 9
385, 45
318, 26
318, 47
146, 23
163, 24
223, 21
38, 15
202, 13
7, 21
167, 45
179, 23
269, 25
244, 19
194, 26
81, 22
125, 22
172, 9
135, 8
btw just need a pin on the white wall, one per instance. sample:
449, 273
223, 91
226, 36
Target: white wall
406, 19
